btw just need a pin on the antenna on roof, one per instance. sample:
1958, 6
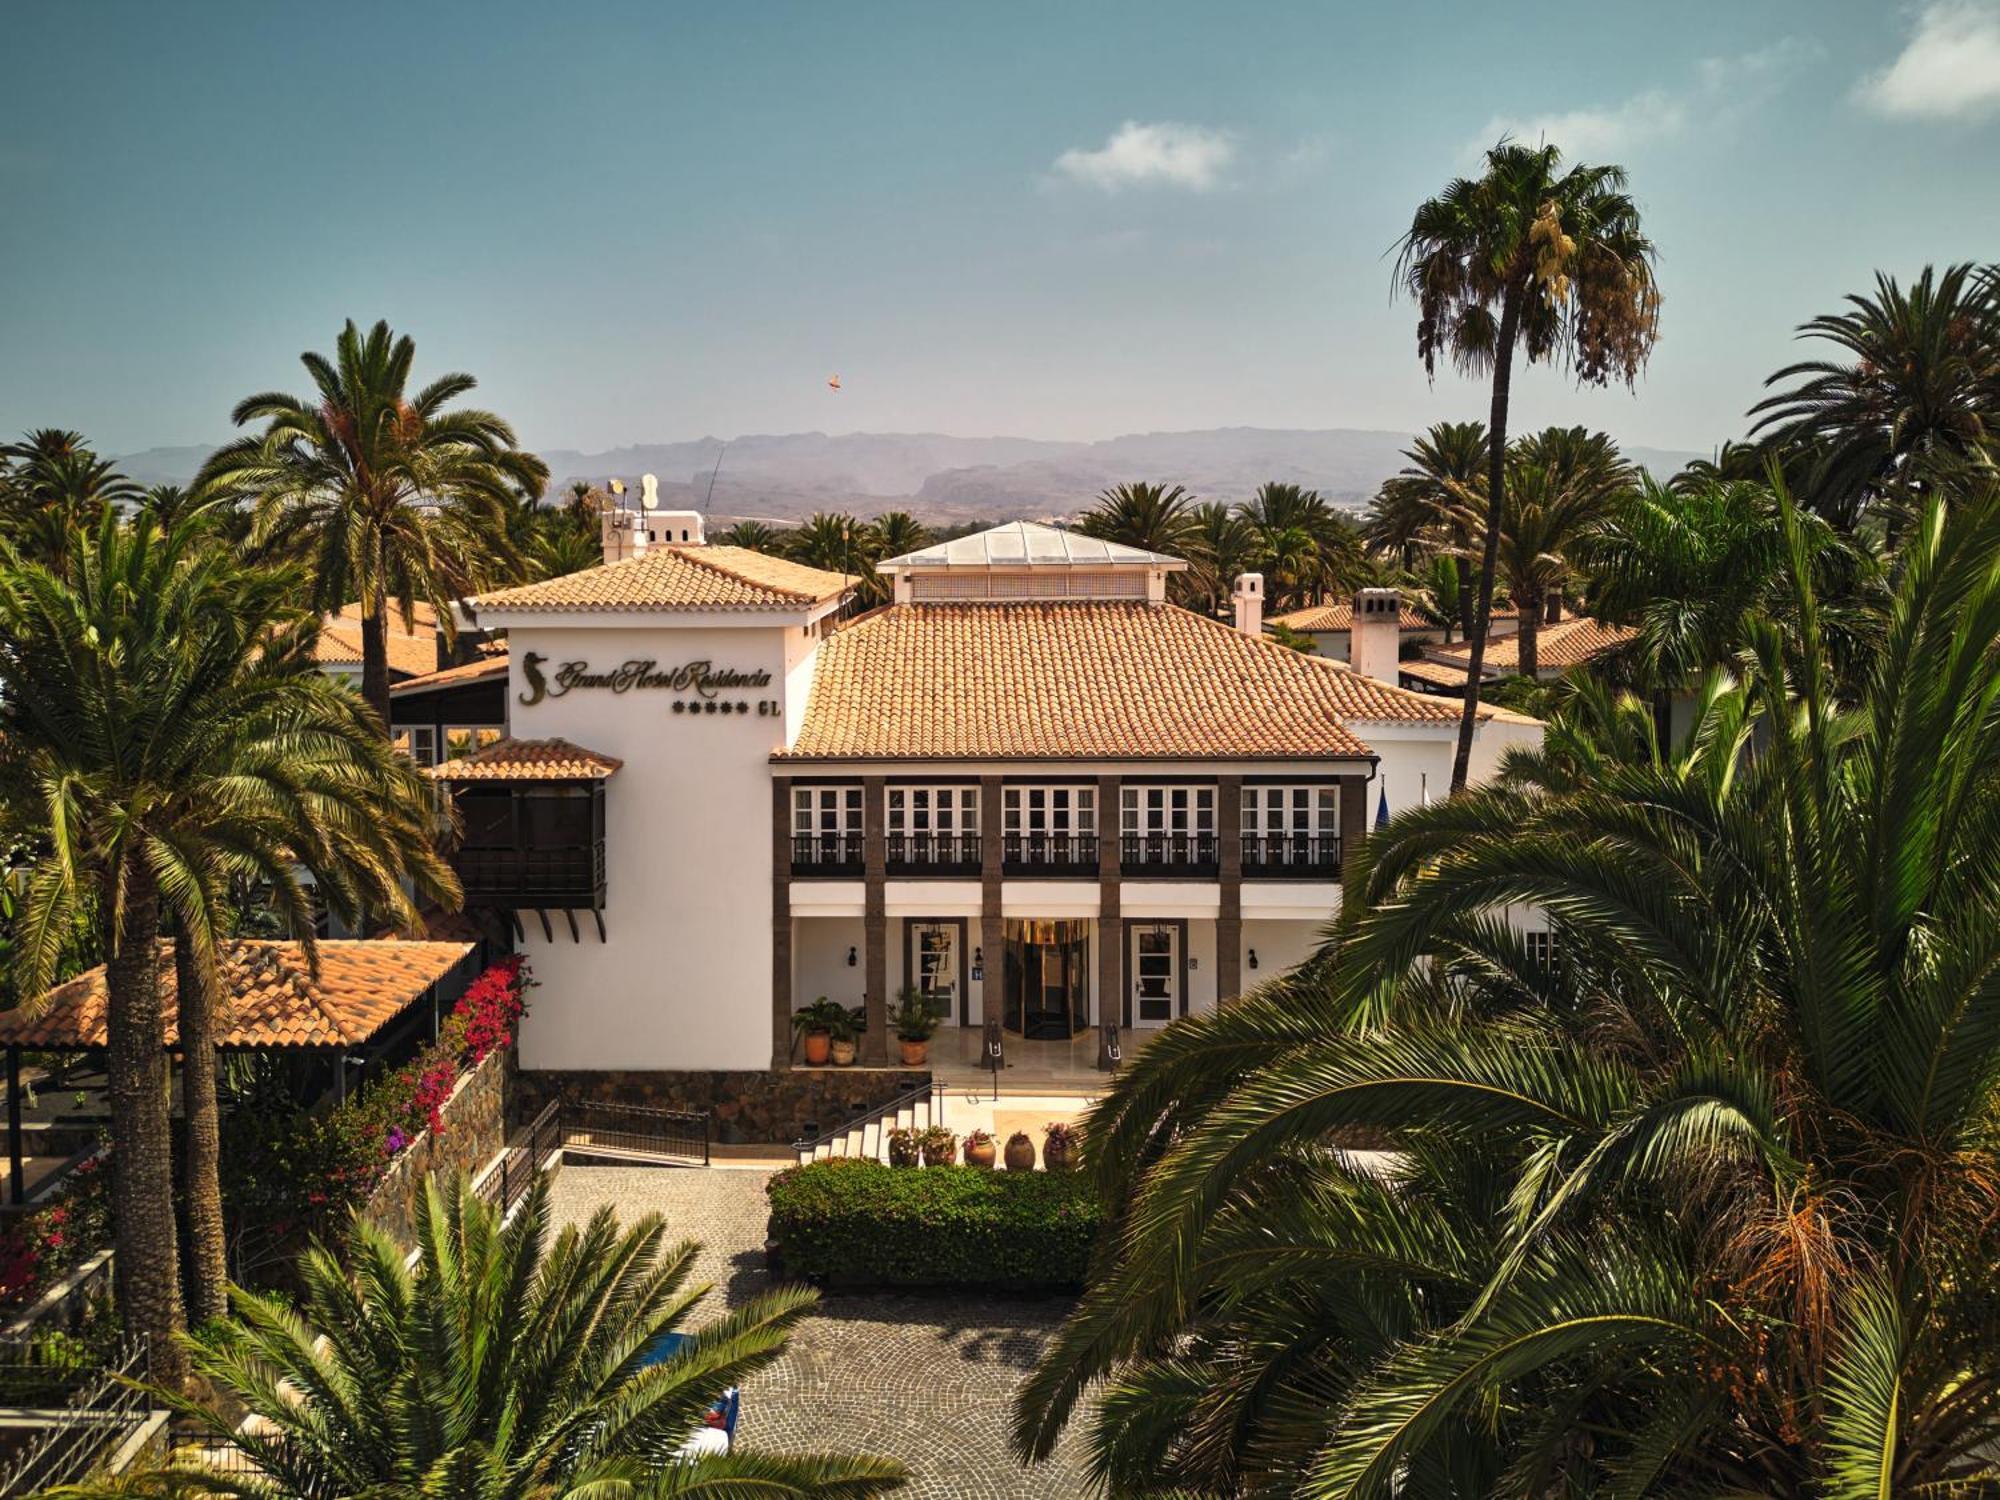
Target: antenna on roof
708, 500
649, 492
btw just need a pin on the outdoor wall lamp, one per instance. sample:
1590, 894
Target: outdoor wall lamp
978, 958
1253, 958
850, 958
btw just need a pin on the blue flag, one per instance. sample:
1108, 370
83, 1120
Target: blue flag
1382, 808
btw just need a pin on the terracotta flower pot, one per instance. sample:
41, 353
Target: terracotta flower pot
1058, 1155
818, 1045
1020, 1153
981, 1153
915, 1054
843, 1054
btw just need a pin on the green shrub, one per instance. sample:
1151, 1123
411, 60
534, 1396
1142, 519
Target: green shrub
851, 1222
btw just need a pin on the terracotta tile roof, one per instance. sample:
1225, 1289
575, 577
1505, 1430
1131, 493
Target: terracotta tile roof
1082, 680
1444, 674
473, 671
679, 578
1567, 643
529, 760
1341, 617
272, 998
410, 652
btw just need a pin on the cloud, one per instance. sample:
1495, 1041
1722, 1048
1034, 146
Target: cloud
1161, 155
1721, 87
1948, 70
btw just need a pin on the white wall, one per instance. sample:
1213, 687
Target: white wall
819, 961
1280, 946
683, 981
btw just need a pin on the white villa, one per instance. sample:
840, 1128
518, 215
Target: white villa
1029, 786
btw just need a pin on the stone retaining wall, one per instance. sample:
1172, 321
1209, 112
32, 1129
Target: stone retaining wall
475, 1128
770, 1106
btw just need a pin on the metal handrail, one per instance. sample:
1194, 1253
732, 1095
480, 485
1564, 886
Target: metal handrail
1302, 852
1051, 850
934, 850
929, 1089
826, 851
1171, 850
625, 1132
98, 1415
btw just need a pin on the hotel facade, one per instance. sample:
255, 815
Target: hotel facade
1029, 787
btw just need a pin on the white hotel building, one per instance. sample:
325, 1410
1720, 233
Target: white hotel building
1029, 786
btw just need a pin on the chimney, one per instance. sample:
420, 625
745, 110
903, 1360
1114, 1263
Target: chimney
1249, 599
1552, 607
1375, 645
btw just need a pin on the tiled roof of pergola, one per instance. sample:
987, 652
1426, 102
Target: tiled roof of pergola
529, 760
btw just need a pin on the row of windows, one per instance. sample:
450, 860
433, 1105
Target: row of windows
1068, 810
420, 742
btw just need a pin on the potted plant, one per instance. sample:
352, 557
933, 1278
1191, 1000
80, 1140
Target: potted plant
940, 1147
916, 1019
905, 1145
846, 1030
815, 1025
979, 1149
1020, 1152
1061, 1142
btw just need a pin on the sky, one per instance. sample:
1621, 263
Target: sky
650, 221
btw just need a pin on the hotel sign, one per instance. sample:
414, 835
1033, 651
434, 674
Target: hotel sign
703, 681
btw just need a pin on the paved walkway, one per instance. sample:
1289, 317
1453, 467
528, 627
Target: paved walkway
927, 1380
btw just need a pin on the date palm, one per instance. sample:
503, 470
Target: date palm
1309, 547
1696, 1200
837, 543
508, 1364
393, 496
1914, 391
1528, 257
1221, 547
1416, 510
52, 484
757, 536
1155, 517
1562, 482
164, 730
898, 532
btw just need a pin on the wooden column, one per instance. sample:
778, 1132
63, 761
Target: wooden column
781, 921
17, 1188
1353, 820
875, 921
992, 929
1110, 921
1229, 918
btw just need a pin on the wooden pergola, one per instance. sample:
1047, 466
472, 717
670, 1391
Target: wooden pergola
366, 996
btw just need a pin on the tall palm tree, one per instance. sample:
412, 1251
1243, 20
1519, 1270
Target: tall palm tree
1695, 1198
164, 729
898, 532
509, 1364
1918, 390
1528, 257
52, 484
393, 496
754, 535
1221, 546
1155, 517
1414, 511
838, 543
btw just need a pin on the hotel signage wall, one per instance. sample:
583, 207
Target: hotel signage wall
702, 683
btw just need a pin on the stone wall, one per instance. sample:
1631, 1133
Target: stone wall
774, 1105
475, 1128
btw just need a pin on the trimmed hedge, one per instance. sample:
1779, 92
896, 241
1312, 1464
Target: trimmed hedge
852, 1222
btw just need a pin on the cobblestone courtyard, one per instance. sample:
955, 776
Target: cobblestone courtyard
923, 1379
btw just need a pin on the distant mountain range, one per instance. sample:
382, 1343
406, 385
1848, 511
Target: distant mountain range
954, 479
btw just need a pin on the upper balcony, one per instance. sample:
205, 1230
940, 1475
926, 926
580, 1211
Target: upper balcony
1193, 855
837, 854
1291, 856
1050, 854
933, 853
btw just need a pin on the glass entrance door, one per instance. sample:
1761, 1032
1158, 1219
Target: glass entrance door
1156, 974
933, 959
1048, 984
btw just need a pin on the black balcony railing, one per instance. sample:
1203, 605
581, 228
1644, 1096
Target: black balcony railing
933, 854
826, 854
1291, 856
1049, 854
559, 876
1169, 853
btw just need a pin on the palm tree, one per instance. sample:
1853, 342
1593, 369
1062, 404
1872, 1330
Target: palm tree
898, 532
51, 484
163, 727
1221, 546
1918, 392
756, 536
1693, 1198
1562, 481
394, 497
1552, 263
838, 543
507, 1364
1308, 546
1414, 511
1154, 517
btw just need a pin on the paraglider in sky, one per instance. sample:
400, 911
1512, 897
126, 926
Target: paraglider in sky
833, 382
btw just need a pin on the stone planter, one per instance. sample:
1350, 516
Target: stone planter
981, 1153
915, 1054
817, 1044
843, 1054
1020, 1153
